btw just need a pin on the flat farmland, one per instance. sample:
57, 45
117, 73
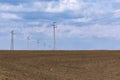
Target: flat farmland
59, 65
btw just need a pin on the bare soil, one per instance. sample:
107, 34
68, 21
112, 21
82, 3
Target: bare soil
59, 65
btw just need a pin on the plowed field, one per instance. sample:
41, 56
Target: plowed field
59, 65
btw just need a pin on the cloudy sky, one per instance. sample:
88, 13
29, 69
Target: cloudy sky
81, 24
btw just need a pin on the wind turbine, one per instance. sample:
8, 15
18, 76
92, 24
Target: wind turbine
44, 44
28, 39
38, 42
12, 40
54, 33
49, 46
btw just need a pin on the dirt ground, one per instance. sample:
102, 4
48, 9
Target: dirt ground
59, 65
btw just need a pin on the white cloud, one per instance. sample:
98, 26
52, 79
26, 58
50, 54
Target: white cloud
84, 20
118, 1
52, 6
117, 13
8, 7
9, 16
64, 5
100, 31
33, 23
68, 31
77, 7
20, 8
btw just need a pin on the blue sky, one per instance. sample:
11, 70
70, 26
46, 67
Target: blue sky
81, 24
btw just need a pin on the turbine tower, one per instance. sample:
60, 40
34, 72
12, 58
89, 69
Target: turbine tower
12, 40
44, 44
38, 42
28, 39
54, 33
49, 46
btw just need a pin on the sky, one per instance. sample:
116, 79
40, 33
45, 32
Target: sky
80, 24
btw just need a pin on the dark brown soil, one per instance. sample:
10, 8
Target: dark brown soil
59, 65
